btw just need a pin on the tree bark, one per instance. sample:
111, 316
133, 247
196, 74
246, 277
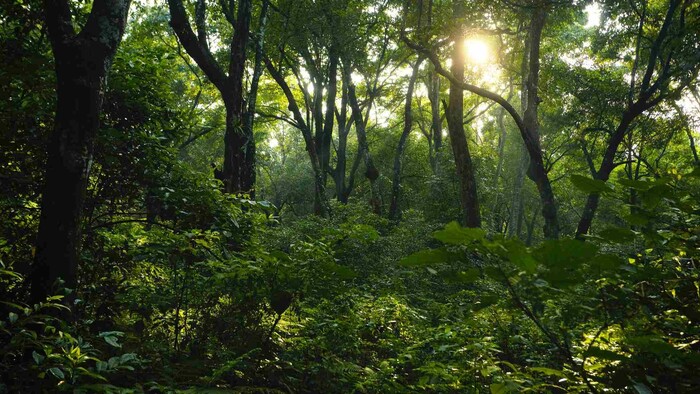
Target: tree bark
530, 120
82, 63
436, 122
371, 171
238, 174
249, 115
468, 195
394, 209
321, 207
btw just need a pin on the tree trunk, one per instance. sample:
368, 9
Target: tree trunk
239, 147
82, 63
371, 171
321, 207
394, 209
249, 115
436, 122
238, 174
537, 171
329, 117
460, 147
497, 208
342, 191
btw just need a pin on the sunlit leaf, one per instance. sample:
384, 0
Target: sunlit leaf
455, 234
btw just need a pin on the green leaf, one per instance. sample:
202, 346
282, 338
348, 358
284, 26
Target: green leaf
468, 276
454, 234
564, 252
12, 317
549, 371
642, 388
38, 358
617, 235
564, 259
695, 173
604, 354
57, 373
113, 341
635, 184
652, 197
589, 185
519, 255
637, 219
427, 257
607, 262
653, 344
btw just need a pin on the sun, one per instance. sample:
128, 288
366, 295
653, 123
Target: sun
477, 51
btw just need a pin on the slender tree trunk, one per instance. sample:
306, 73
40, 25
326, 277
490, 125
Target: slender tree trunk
238, 174
252, 98
329, 117
339, 173
460, 147
321, 207
239, 147
497, 208
645, 100
371, 171
82, 63
436, 122
537, 171
394, 209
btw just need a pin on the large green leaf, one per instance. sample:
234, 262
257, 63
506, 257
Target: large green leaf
519, 255
589, 185
564, 252
427, 257
635, 184
617, 235
604, 354
454, 234
467, 276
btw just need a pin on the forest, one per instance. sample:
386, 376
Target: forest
349, 196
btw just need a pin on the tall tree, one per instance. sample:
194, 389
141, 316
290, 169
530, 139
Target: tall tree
82, 61
394, 209
238, 174
671, 58
455, 123
527, 123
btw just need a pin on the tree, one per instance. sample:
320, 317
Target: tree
671, 65
238, 174
82, 61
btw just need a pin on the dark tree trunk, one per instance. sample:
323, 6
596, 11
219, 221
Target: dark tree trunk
321, 207
324, 145
371, 171
82, 63
650, 93
394, 208
249, 115
238, 174
436, 122
342, 190
239, 146
537, 171
460, 148
497, 207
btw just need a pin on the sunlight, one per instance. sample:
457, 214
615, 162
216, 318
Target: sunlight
593, 15
477, 50
273, 143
